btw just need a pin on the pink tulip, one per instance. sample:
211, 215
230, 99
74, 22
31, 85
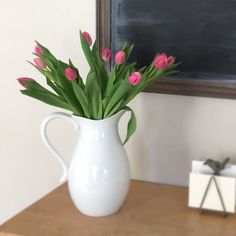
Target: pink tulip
22, 81
135, 78
161, 61
87, 37
39, 63
38, 50
171, 60
70, 74
120, 57
106, 54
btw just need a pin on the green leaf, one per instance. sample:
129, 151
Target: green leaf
71, 64
73, 103
67, 88
126, 69
64, 88
87, 52
110, 93
128, 49
81, 98
79, 79
32, 84
50, 99
96, 99
146, 81
93, 93
132, 124
95, 63
60, 73
110, 82
54, 87
48, 54
100, 108
100, 69
89, 80
172, 72
117, 96
46, 60
46, 73
116, 108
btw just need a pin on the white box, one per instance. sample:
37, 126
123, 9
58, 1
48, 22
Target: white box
197, 186
199, 167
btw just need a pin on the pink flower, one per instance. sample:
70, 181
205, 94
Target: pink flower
22, 81
70, 74
38, 50
135, 78
161, 61
87, 37
106, 54
120, 57
39, 63
171, 60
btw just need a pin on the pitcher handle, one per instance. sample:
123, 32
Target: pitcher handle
56, 115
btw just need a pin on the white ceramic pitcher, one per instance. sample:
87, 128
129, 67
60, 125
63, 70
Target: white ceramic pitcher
98, 175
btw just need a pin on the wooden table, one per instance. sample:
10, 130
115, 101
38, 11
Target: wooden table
150, 210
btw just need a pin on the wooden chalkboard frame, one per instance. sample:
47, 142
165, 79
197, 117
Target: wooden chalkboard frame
196, 87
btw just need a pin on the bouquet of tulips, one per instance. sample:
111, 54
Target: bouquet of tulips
103, 93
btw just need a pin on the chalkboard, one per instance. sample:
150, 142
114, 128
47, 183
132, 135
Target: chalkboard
199, 33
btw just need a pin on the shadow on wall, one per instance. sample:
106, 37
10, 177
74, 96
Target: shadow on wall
161, 150
174, 130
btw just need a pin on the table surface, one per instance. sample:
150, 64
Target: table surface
150, 209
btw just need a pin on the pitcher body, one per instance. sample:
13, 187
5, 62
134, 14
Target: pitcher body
98, 174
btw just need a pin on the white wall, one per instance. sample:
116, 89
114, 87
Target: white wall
172, 129
27, 169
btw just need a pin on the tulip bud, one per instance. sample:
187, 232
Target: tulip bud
88, 38
135, 78
38, 50
106, 54
70, 74
161, 61
22, 81
120, 57
39, 63
171, 60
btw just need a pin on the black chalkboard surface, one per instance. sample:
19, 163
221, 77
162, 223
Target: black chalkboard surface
200, 33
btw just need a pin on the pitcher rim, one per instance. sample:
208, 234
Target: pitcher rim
121, 112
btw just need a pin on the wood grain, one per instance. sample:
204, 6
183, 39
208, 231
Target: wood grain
103, 37
150, 209
6, 234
